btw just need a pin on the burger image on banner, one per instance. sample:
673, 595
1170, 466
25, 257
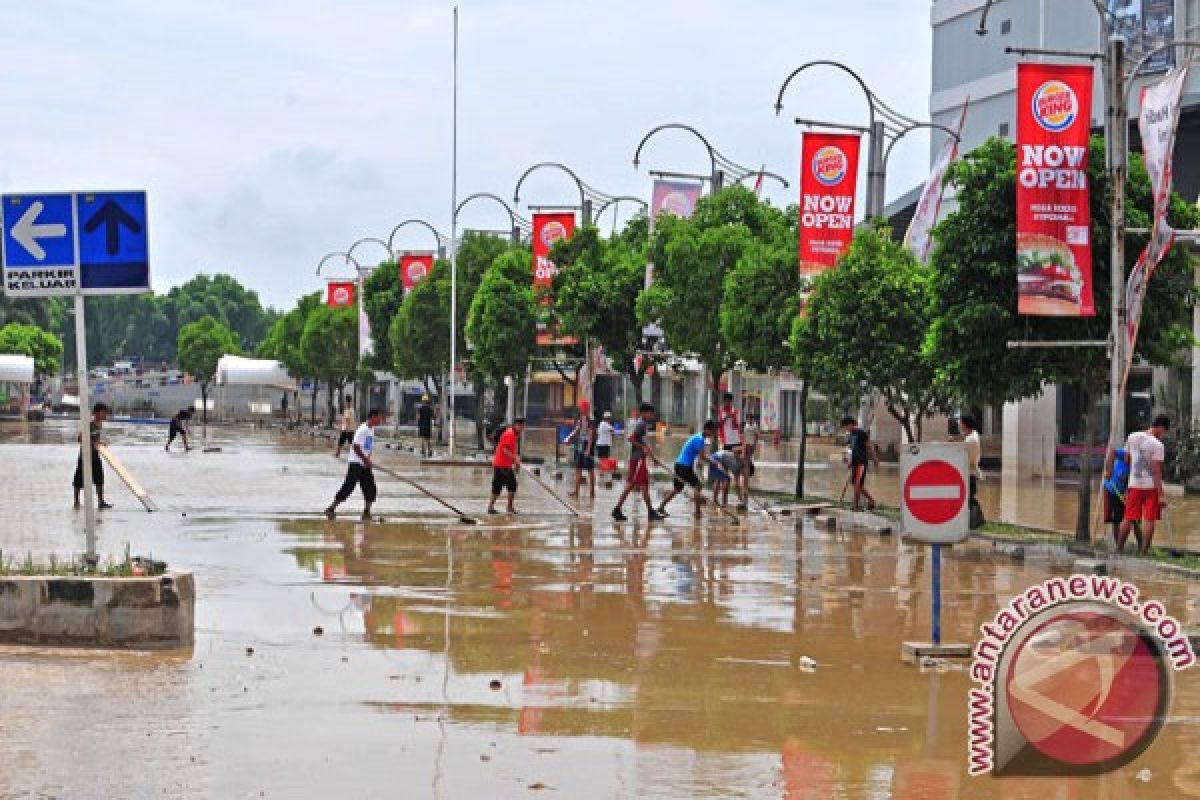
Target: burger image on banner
678, 204
1048, 281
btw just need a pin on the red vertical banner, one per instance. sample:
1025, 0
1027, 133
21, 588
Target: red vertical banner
828, 184
339, 294
548, 228
414, 268
1054, 242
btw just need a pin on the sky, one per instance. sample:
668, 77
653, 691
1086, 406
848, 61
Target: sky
271, 132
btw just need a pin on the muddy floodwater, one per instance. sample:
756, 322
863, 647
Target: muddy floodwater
535, 656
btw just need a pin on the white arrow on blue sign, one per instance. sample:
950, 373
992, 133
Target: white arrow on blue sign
81, 242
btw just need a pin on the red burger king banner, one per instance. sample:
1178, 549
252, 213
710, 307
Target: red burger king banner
1054, 242
414, 268
828, 184
339, 294
548, 228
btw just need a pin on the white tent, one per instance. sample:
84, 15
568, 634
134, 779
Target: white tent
16, 374
16, 369
237, 370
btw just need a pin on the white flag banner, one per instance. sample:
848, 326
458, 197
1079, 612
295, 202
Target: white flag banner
917, 238
1157, 123
366, 346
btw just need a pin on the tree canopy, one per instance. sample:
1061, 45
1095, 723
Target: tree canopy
502, 321
199, 347
30, 340
865, 324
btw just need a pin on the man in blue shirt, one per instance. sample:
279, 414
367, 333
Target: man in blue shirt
695, 448
1116, 483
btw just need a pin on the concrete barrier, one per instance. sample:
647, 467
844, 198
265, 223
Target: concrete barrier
139, 613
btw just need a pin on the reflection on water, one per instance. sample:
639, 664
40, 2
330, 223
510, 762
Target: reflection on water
691, 642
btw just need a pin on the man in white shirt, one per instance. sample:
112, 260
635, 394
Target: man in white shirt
359, 467
604, 436
1145, 499
974, 450
346, 435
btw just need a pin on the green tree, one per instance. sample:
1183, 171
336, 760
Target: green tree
691, 259
198, 349
329, 345
383, 293
30, 340
222, 297
595, 293
866, 322
762, 296
502, 319
974, 285
419, 337
283, 340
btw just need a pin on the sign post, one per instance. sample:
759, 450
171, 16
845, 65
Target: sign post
934, 510
76, 244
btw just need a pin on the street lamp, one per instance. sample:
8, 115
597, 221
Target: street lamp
588, 195
885, 127
518, 225
720, 165
438, 238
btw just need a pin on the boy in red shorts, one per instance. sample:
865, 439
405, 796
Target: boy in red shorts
639, 470
1145, 498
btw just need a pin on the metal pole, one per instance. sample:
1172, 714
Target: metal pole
85, 428
876, 179
453, 242
1115, 156
936, 592
359, 408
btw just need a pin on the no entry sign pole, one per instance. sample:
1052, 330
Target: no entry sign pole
934, 511
936, 594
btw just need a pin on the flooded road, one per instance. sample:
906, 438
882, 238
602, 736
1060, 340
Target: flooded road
534, 656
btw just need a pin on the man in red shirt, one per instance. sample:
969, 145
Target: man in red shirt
505, 463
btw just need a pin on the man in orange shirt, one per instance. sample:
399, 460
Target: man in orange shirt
505, 463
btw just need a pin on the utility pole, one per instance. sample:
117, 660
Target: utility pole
1117, 120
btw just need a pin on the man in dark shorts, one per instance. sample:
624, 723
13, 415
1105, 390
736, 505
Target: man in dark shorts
505, 463
1116, 484
639, 470
693, 450
425, 426
99, 414
862, 450
178, 428
359, 468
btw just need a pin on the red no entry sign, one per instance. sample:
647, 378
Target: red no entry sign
934, 492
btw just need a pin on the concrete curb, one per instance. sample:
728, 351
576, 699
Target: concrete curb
139, 613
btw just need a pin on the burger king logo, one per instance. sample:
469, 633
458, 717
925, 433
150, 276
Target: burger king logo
1055, 106
677, 203
829, 165
417, 270
341, 296
552, 231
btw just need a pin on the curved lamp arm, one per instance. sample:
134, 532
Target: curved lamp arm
392, 236
346, 259
372, 240
887, 153
836, 65
712, 153
551, 165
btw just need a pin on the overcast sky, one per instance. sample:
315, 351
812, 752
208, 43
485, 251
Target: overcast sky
269, 132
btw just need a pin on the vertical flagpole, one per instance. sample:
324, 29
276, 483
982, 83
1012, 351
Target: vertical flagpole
454, 240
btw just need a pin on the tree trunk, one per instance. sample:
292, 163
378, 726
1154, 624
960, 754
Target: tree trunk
312, 409
331, 414
482, 410
1083, 522
803, 439
204, 407
920, 426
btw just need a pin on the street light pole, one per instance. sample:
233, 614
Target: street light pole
450, 379
1117, 123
